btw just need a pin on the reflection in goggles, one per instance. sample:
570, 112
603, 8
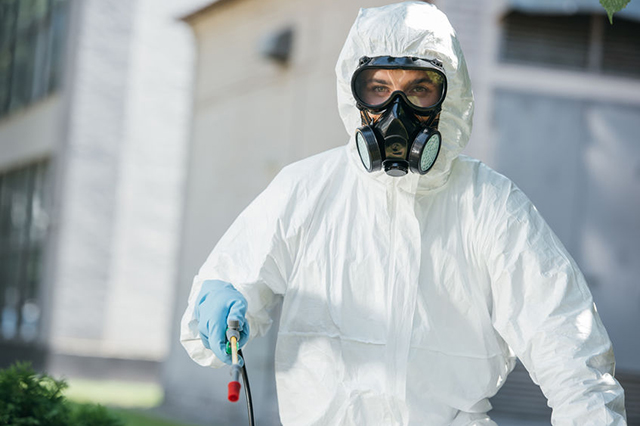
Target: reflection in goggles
423, 88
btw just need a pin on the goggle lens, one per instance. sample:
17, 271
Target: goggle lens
422, 88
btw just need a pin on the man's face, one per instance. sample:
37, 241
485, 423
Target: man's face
423, 88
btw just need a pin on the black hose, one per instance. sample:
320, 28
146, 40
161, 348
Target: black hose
247, 389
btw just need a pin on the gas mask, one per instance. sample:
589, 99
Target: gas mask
399, 101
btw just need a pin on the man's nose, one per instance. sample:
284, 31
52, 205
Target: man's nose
396, 108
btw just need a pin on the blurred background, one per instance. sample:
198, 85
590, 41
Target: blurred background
133, 132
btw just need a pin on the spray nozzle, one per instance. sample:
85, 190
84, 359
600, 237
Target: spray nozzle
233, 336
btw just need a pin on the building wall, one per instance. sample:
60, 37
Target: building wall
21, 142
150, 181
25, 146
89, 174
121, 172
31, 130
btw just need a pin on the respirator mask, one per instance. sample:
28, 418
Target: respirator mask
399, 101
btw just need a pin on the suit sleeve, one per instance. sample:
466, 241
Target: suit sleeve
543, 309
255, 256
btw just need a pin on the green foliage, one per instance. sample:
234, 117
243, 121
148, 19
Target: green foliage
31, 399
143, 418
613, 6
94, 415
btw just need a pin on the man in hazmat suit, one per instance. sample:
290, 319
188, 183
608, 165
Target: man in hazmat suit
410, 276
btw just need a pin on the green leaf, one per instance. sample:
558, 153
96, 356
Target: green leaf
613, 6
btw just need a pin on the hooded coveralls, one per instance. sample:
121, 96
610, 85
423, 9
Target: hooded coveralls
406, 300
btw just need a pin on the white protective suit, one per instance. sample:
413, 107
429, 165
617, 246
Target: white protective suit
406, 300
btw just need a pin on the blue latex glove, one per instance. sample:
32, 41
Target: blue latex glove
218, 302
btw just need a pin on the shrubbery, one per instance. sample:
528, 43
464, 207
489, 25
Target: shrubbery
31, 399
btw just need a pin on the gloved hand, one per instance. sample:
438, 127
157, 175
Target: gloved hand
218, 302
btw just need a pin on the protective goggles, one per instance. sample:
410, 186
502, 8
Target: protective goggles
420, 82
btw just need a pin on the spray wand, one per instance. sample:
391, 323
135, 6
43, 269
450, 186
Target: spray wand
233, 348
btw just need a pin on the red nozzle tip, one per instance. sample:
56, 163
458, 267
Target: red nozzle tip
234, 391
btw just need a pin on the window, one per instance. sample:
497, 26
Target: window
32, 35
621, 51
582, 42
23, 227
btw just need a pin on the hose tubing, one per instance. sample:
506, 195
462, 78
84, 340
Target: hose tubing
247, 389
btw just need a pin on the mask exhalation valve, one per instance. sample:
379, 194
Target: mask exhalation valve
396, 168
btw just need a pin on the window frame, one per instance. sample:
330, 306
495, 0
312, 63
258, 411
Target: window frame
22, 250
40, 40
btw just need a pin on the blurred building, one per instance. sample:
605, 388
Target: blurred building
557, 110
94, 111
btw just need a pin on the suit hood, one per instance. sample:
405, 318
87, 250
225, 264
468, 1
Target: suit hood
411, 29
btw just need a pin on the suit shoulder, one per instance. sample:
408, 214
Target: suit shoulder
313, 168
480, 179
471, 168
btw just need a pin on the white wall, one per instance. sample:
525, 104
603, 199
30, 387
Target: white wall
122, 174
149, 188
31, 133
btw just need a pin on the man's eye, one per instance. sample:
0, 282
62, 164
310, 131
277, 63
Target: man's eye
421, 89
378, 89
